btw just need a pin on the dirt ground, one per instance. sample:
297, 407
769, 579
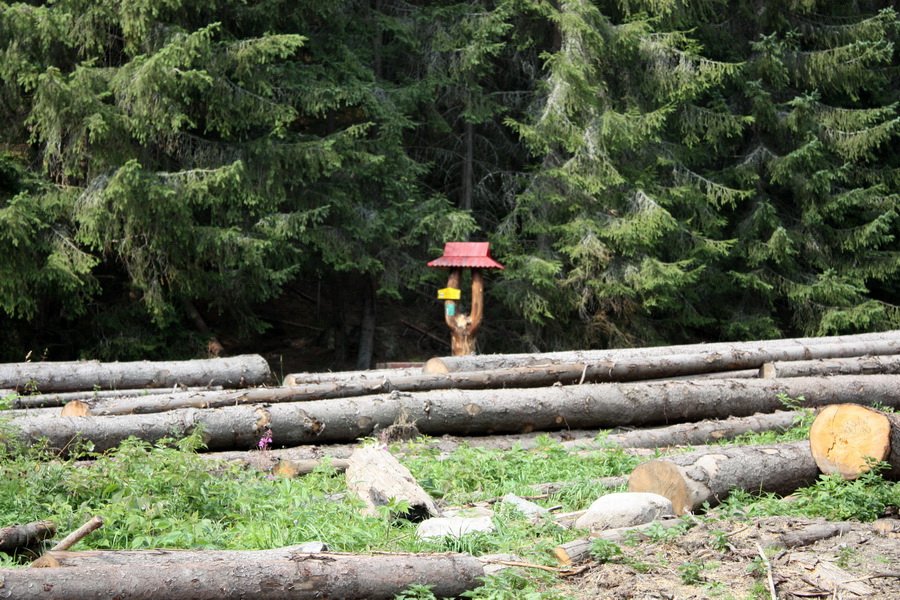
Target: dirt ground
722, 560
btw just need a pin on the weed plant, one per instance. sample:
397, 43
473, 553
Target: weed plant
473, 473
863, 499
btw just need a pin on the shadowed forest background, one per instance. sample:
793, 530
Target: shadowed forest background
277, 174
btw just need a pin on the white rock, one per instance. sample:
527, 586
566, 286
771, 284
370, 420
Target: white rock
453, 526
624, 509
526, 507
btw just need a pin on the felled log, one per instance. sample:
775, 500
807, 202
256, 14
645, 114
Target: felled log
49, 400
861, 365
337, 377
451, 364
691, 479
25, 537
378, 479
673, 365
237, 371
702, 432
463, 412
844, 438
579, 550
158, 558
305, 576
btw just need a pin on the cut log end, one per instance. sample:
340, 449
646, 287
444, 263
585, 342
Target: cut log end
665, 479
435, 366
75, 408
844, 438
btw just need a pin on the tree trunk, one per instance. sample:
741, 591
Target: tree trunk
862, 365
845, 437
160, 558
237, 371
213, 345
378, 478
466, 201
452, 364
319, 576
28, 536
692, 479
460, 412
367, 326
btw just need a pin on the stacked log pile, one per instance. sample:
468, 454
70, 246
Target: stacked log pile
688, 394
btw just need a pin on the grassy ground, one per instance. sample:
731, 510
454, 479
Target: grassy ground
165, 496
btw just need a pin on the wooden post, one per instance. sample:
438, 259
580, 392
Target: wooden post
463, 327
458, 256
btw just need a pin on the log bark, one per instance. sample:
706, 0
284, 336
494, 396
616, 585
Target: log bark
844, 438
702, 432
378, 478
462, 412
52, 400
451, 364
347, 377
691, 479
579, 550
319, 576
862, 365
27, 536
160, 558
238, 371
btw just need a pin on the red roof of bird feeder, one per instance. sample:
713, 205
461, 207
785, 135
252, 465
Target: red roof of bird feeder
473, 255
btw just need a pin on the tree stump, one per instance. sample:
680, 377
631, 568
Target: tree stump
845, 438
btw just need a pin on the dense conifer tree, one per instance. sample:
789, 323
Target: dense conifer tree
712, 170
647, 170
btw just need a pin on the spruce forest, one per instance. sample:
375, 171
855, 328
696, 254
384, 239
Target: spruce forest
648, 171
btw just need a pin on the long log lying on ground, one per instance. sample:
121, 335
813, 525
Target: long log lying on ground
299, 379
303, 459
844, 438
461, 412
707, 431
862, 365
319, 576
450, 364
55, 400
691, 479
160, 558
520, 377
236, 371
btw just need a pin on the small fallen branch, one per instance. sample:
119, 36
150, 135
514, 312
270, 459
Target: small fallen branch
79, 534
768, 565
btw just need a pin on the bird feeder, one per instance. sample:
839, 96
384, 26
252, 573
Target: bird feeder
475, 256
